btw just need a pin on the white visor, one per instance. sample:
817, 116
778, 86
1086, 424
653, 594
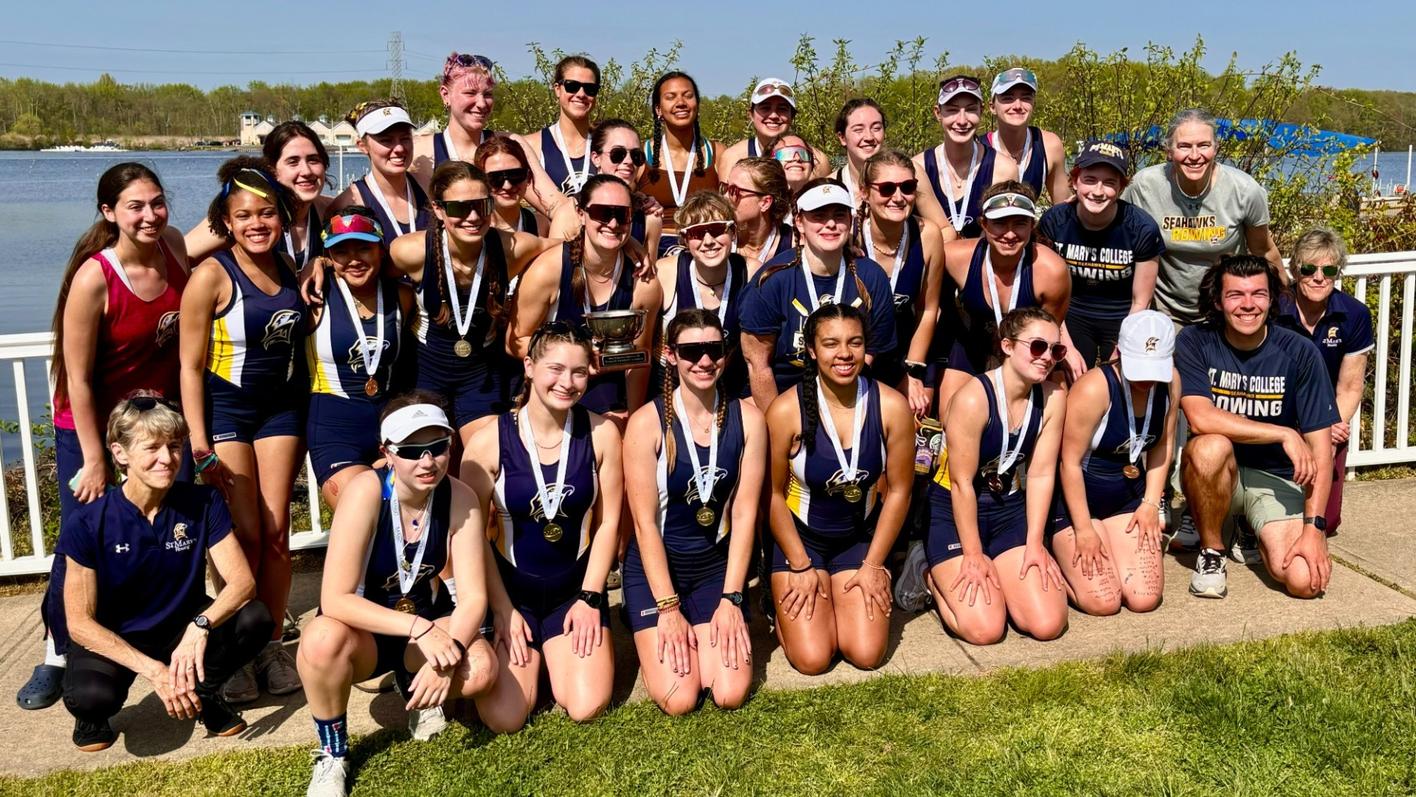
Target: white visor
381, 119
403, 422
823, 195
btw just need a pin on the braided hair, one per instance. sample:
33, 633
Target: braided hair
848, 260
700, 144
810, 400
546, 336
448, 174
577, 244
692, 318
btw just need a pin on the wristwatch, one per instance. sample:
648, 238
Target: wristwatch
592, 599
735, 598
1316, 521
201, 621
918, 370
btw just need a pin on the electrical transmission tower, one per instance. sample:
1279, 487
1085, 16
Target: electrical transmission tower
395, 65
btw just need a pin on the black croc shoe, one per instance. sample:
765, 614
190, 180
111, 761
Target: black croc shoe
94, 736
43, 689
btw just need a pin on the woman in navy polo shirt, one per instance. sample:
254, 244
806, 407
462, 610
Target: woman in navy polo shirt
1341, 326
135, 587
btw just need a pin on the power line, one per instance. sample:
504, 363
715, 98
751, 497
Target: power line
196, 72
184, 52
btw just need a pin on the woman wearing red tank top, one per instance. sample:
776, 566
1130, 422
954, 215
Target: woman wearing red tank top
115, 332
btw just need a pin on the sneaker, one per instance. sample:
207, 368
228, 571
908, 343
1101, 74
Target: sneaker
276, 667
426, 723
911, 591
93, 736
1209, 580
219, 718
241, 687
1187, 537
43, 689
1245, 548
327, 779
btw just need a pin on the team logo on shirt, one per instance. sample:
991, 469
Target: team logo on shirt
1333, 338
180, 542
717, 478
356, 352
278, 330
1253, 396
166, 329
838, 482
1097, 263
1194, 229
122, 547
1123, 449
390, 584
565, 491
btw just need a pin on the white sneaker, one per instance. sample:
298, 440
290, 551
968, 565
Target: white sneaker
1245, 548
911, 591
1187, 537
241, 687
1209, 580
327, 779
426, 723
277, 668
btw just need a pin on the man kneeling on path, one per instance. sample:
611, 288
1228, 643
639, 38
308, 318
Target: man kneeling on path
1260, 409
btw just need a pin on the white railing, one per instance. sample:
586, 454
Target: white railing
1385, 442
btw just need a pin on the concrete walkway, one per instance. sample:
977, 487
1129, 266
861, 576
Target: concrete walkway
1374, 549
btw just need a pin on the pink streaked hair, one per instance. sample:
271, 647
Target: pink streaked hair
460, 65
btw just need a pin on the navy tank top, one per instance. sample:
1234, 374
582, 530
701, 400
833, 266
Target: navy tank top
1110, 449
380, 581
1035, 173
392, 229
973, 344
440, 153
254, 338
606, 391
990, 442
909, 288
439, 367
314, 244
553, 160
816, 485
983, 178
334, 350
528, 561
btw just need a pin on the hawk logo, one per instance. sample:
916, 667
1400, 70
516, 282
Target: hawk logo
180, 541
563, 490
166, 329
281, 325
719, 475
1151, 343
390, 585
838, 482
356, 350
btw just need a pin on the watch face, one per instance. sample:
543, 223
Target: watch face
735, 598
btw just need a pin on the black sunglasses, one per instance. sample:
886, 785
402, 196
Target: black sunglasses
149, 403
1038, 347
415, 451
573, 86
618, 154
462, 208
1308, 270
906, 187
560, 329
510, 178
468, 59
604, 214
693, 352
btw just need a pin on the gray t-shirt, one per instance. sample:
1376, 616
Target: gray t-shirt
1196, 232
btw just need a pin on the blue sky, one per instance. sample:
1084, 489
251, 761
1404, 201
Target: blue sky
322, 40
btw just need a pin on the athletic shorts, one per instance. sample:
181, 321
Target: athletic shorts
832, 554
700, 593
341, 432
1107, 496
1093, 338
239, 415
472, 398
544, 602
1261, 498
1002, 524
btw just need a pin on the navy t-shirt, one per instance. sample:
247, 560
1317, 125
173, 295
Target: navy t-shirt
779, 305
151, 576
1102, 262
1282, 382
1346, 328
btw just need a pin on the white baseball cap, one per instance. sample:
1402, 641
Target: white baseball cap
404, 421
381, 119
823, 195
1147, 347
773, 87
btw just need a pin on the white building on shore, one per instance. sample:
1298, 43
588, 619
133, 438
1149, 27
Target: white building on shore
254, 129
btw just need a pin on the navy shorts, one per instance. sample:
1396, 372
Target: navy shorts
832, 554
1002, 524
470, 399
1107, 496
544, 602
341, 432
547, 621
700, 591
239, 415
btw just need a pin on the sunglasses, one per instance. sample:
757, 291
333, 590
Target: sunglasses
508, 178
1308, 270
793, 155
906, 187
735, 193
707, 229
618, 154
149, 403
960, 83
467, 59
462, 208
575, 86
560, 329
1038, 347
767, 89
604, 214
693, 352
416, 451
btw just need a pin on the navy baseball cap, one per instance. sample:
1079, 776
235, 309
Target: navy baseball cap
1101, 153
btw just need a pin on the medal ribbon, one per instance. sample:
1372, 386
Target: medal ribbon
406, 578
1006, 458
680, 192
369, 358
848, 469
958, 210
464, 323
705, 481
1135, 442
839, 296
577, 177
727, 290
549, 503
378, 193
993, 287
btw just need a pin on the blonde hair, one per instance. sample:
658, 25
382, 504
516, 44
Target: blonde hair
127, 423
703, 206
1319, 241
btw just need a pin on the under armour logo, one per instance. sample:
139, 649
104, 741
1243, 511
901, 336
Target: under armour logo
122, 548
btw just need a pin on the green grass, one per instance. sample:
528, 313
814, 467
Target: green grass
1321, 713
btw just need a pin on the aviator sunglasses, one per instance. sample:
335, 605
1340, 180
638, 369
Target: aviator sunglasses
574, 86
462, 208
507, 178
1308, 270
604, 214
1038, 347
906, 187
693, 352
415, 451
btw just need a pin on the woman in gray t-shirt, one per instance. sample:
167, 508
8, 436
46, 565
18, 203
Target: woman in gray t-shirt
1205, 209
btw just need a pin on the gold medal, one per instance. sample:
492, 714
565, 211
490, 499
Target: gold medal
1131, 471
995, 483
853, 493
706, 516
406, 606
462, 348
552, 532
371, 387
